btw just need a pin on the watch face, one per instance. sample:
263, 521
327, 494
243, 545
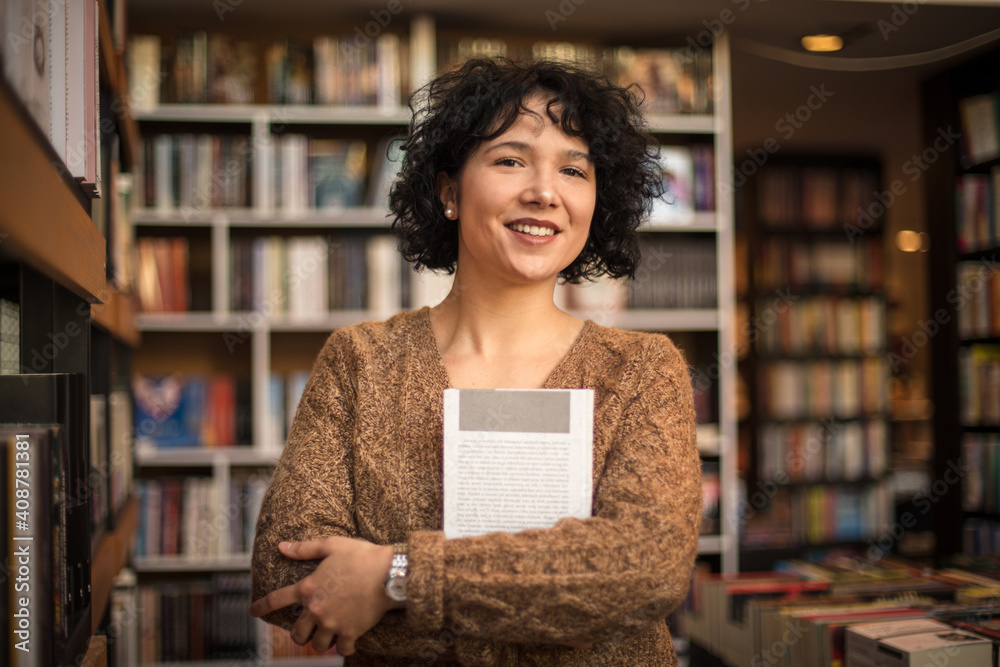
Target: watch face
396, 588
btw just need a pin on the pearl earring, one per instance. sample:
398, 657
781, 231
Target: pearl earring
449, 213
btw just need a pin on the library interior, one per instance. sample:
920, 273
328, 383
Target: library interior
195, 195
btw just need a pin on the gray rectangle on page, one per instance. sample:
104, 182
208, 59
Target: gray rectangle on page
537, 411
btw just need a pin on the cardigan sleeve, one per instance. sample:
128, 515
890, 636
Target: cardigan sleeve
310, 495
612, 575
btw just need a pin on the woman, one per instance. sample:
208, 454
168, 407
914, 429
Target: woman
514, 175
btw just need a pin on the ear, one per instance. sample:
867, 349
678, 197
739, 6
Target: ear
447, 190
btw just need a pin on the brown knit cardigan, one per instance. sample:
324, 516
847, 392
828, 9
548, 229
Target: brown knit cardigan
363, 459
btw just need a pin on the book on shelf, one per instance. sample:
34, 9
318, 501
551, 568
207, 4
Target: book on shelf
187, 410
316, 174
978, 305
688, 183
961, 649
710, 498
142, 62
100, 464
389, 160
162, 281
10, 337
43, 422
979, 384
980, 129
50, 58
977, 211
284, 391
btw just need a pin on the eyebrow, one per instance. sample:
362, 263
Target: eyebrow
521, 146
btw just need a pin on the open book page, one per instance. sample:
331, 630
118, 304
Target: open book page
516, 458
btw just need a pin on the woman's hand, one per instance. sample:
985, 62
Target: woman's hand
342, 599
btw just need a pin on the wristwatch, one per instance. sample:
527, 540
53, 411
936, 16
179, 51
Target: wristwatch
395, 584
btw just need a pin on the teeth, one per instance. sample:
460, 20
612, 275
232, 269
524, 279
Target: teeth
532, 230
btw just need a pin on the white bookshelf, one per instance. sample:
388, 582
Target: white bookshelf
716, 440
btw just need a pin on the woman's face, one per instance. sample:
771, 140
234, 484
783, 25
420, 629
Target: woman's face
524, 201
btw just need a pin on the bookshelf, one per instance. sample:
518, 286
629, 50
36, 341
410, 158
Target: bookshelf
217, 335
69, 321
962, 195
816, 337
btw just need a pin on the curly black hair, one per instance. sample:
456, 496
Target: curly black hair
482, 99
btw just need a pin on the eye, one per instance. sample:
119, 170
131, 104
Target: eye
507, 162
573, 171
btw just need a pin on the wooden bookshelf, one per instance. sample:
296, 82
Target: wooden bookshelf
41, 216
110, 556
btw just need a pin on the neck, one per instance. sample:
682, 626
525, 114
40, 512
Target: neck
484, 318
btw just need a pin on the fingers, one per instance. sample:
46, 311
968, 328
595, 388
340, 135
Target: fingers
323, 640
304, 629
310, 550
345, 645
283, 597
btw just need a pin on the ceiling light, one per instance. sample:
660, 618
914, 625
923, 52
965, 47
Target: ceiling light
822, 43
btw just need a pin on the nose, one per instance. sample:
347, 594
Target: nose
541, 192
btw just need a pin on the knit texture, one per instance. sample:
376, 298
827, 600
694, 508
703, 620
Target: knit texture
364, 457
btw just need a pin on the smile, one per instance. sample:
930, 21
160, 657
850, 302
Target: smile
532, 230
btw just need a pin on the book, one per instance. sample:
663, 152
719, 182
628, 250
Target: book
26, 48
980, 136
676, 205
178, 410
58, 400
10, 337
142, 60
862, 639
516, 459
952, 647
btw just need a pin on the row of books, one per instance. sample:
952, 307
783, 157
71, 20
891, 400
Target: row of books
822, 452
188, 410
45, 527
284, 391
981, 537
10, 337
980, 115
977, 298
308, 276
981, 463
194, 518
977, 211
817, 197
979, 384
190, 172
319, 174
202, 620
111, 468
843, 389
50, 57
675, 272
217, 68
833, 265
828, 325
857, 613
672, 80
